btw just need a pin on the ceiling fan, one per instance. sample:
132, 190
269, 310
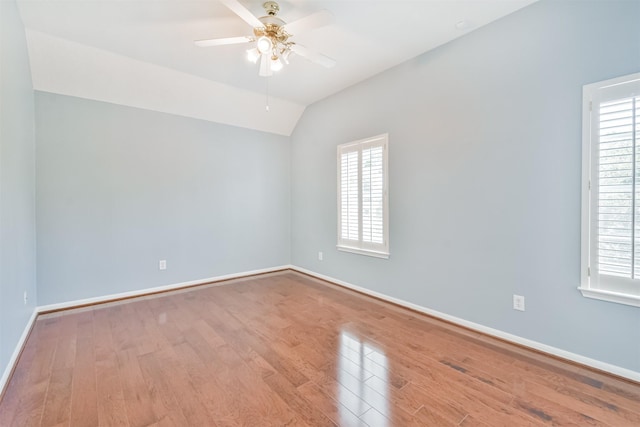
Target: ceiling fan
271, 36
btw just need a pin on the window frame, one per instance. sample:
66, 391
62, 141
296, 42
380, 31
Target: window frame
359, 246
592, 285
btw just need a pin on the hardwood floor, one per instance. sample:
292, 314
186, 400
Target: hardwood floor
288, 350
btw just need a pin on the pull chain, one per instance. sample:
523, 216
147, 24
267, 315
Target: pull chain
267, 101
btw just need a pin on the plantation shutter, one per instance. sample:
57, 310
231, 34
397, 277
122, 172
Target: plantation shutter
372, 195
615, 190
349, 211
362, 197
618, 213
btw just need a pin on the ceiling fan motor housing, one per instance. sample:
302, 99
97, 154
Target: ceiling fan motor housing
273, 26
274, 32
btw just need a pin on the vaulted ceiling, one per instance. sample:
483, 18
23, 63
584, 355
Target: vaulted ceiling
141, 53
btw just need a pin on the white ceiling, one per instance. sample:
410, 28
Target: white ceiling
365, 38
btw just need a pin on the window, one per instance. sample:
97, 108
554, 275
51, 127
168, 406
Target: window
611, 191
363, 208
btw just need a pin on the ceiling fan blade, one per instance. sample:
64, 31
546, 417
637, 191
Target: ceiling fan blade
312, 56
265, 66
315, 20
237, 8
220, 42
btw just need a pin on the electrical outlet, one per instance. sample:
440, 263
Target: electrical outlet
320, 256
26, 297
162, 264
518, 302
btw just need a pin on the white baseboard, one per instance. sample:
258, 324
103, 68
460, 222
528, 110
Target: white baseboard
147, 291
4, 381
602, 366
616, 370
106, 298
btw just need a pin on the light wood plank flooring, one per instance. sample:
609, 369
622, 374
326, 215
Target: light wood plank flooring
288, 350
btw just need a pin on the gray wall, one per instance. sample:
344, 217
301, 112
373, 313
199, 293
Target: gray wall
485, 169
17, 177
120, 188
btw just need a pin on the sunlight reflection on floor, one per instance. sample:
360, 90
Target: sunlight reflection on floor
363, 384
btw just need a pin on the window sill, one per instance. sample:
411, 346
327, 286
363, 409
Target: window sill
375, 254
627, 299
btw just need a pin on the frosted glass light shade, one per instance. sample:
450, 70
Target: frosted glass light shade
264, 44
276, 64
253, 55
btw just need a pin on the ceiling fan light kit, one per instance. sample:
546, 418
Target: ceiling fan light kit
271, 37
253, 55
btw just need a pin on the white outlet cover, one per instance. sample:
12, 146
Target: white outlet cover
162, 264
518, 302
